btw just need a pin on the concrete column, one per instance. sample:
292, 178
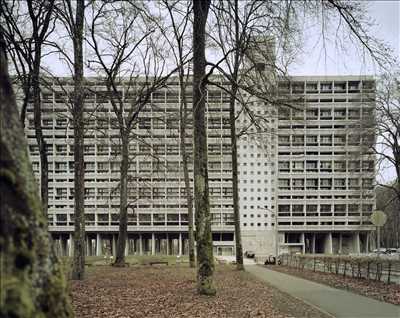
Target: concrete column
303, 240
328, 244
127, 247
88, 245
140, 245
313, 243
98, 245
59, 247
356, 241
70, 245
153, 244
64, 245
114, 246
167, 244
180, 244
367, 242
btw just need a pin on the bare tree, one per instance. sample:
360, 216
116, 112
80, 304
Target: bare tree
33, 284
179, 18
244, 35
72, 17
386, 127
27, 52
205, 261
388, 202
126, 53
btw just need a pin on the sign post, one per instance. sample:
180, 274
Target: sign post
378, 218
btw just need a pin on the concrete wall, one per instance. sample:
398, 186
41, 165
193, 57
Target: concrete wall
261, 242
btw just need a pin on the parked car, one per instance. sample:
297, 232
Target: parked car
381, 251
250, 254
391, 251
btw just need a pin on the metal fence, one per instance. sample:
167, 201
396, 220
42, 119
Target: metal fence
362, 267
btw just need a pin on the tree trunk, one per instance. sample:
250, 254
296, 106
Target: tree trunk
123, 201
205, 261
78, 269
32, 282
232, 120
27, 90
37, 117
235, 188
189, 199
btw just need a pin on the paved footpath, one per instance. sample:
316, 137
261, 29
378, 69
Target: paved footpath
336, 302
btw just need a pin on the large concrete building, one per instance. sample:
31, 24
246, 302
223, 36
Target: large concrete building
305, 177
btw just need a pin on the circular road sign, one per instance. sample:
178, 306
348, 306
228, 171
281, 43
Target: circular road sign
378, 218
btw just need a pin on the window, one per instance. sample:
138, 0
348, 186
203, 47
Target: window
298, 184
102, 150
325, 166
367, 183
326, 87
144, 219
312, 140
312, 166
324, 208
61, 167
297, 166
312, 184
103, 193
312, 210
159, 218
312, 114
354, 114
284, 140
61, 193
172, 149
354, 86
340, 209
284, 184
326, 140
102, 167
340, 140
89, 167
326, 183
354, 166
88, 149
339, 166
325, 114
354, 183
340, 184
158, 193
172, 193
89, 193
340, 113
47, 123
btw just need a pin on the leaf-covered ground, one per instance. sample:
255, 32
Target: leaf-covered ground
370, 288
170, 291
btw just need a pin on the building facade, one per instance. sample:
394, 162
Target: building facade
305, 178
307, 185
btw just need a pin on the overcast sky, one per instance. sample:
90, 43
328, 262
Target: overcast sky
386, 14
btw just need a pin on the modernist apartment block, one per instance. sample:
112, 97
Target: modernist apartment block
158, 220
305, 179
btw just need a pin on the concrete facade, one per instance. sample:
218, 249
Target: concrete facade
305, 178
308, 174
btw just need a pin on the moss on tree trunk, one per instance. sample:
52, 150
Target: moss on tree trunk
32, 282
